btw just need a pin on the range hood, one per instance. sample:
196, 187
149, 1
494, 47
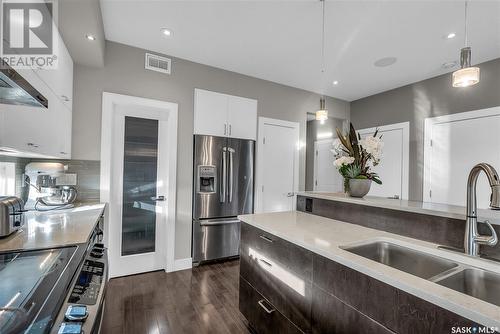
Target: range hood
14, 89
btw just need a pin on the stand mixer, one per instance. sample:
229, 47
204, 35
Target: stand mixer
49, 186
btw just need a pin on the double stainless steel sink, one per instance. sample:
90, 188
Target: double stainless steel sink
475, 282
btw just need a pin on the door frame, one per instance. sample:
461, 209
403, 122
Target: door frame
109, 102
429, 123
259, 165
405, 174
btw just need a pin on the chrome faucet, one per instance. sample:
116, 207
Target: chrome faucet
472, 238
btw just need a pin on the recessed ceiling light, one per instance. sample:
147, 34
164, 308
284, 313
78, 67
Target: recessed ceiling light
90, 37
386, 61
166, 32
335, 83
449, 64
451, 35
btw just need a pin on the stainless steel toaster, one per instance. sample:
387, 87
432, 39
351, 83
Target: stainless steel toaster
11, 214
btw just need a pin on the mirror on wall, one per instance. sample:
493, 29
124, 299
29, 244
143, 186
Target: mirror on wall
425, 160
321, 175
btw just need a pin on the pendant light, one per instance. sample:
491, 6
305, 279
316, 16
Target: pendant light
466, 75
322, 113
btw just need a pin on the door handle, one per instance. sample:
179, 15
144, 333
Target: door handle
268, 310
158, 199
266, 263
266, 238
291, 194
231, 173
218, 222
223, 187
225, 129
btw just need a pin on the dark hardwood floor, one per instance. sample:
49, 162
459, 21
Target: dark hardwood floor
201, 300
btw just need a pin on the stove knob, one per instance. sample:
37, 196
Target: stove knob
96, 254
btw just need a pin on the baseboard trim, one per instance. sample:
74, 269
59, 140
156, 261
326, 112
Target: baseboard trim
182, 264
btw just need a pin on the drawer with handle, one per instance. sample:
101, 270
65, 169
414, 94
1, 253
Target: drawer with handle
290, 294
261, 314
296, 259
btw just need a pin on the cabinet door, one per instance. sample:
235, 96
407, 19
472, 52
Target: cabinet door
60, 79
262, 315
242, 117
210, 113
37, 132
290, 294
64, 138
330, 315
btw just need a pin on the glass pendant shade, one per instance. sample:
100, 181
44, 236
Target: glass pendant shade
465, 77
322, 113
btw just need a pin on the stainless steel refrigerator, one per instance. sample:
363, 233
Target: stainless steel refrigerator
223, 188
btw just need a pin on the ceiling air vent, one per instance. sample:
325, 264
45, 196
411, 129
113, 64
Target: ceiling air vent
158, 63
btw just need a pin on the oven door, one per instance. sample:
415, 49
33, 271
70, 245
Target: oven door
215, 239
33, 287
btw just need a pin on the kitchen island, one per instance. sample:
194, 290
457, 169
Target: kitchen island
296, 271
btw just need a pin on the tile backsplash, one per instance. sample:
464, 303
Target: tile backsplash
88, 175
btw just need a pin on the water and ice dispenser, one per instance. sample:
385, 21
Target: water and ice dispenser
207, 179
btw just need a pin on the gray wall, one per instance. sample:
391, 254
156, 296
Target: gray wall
124, 73
428, 98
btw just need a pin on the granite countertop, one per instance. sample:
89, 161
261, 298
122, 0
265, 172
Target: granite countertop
327, 237
435, 209
54, 228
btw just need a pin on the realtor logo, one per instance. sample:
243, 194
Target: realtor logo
28, 34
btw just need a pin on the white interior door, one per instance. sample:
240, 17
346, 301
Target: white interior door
277, 165
453, 145
326, 176
393, 167
138, 172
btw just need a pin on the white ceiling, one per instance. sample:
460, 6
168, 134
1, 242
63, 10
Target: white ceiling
280, 40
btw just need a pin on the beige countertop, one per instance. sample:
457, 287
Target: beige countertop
54, 228
327, 237
435, 209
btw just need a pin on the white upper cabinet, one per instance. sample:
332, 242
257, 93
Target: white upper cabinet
210, 113
37, 132
242, 117
42, 132
224, 115
60, 80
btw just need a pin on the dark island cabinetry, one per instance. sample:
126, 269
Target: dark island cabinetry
285, 288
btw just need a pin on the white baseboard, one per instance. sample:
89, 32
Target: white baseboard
182, 264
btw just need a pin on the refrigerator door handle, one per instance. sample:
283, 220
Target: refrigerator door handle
214, 222
231, 174
222, 193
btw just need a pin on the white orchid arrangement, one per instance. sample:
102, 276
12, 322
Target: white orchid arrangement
355, 156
